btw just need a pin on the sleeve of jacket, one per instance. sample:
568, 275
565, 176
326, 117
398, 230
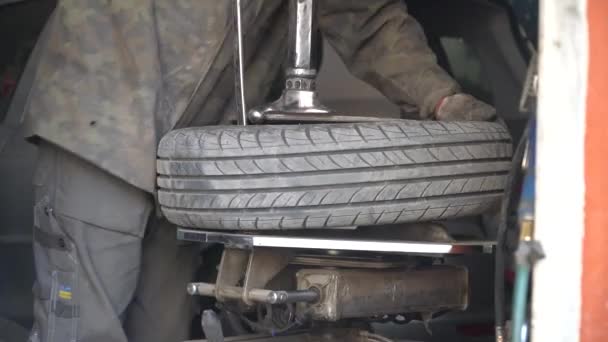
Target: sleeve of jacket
384, 46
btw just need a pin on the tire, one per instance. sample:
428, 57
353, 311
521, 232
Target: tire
331, 175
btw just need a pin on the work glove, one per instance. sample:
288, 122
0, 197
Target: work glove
464, 107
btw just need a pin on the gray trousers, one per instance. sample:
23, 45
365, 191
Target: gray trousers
107, 269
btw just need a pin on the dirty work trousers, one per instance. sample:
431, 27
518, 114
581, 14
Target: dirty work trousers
107, 269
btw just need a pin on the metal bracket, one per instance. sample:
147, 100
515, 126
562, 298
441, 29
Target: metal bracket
232, 267
530, 89
264, 264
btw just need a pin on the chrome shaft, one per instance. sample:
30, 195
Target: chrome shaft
241, 104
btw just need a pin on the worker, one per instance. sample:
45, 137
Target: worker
112, 78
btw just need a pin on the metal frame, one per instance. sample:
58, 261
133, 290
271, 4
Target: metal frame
244, 241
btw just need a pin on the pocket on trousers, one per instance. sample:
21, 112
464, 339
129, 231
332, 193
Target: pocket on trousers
57, 277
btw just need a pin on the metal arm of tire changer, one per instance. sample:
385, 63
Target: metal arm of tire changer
299, 101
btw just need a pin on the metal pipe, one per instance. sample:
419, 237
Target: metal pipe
302, 29
201, 289
520, 302
241, 105
255, 295
298, 296
231, 292
501, 246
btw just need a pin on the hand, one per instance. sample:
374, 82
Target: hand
464, 107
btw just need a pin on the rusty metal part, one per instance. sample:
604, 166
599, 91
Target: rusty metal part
264, 264
231, 270
358, 293
253, 268
335, 240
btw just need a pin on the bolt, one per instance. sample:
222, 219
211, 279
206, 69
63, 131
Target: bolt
277, 297
192, 289
255, 116
273, 297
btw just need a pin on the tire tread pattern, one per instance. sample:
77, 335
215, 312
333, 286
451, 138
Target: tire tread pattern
331, 175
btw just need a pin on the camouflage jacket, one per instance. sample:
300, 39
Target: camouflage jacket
114, 76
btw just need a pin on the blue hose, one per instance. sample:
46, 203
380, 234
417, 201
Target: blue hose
520, 301
526, 253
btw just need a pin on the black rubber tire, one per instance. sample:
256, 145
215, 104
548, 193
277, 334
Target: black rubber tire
331, 175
